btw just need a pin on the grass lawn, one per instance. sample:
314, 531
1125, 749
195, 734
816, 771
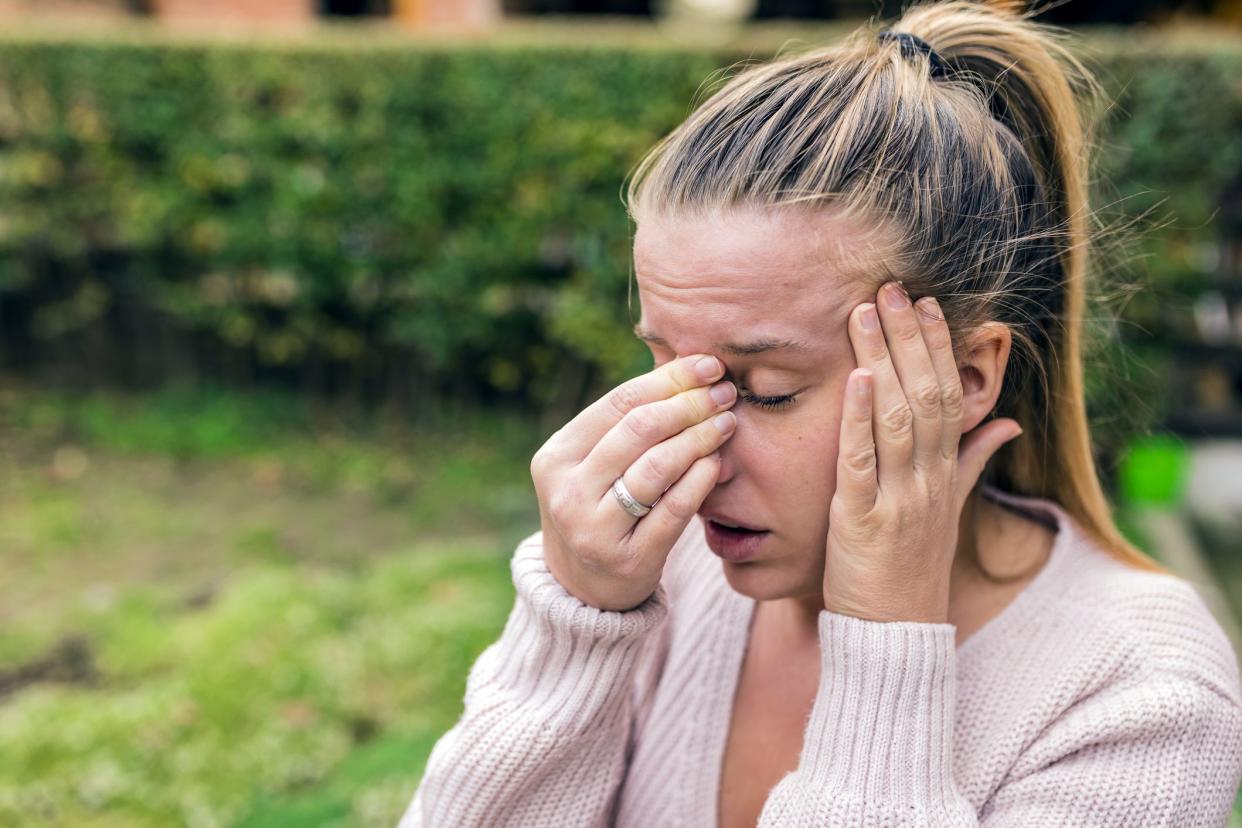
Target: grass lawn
221, 611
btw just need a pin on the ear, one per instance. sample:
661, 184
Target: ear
982, 371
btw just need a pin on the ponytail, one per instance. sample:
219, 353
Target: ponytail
1050, 101
980, 167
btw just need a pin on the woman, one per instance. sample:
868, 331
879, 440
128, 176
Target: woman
924, 614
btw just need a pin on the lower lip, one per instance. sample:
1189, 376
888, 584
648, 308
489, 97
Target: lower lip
735, 547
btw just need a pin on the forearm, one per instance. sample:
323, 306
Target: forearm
543, 732
878, 744
1157, 748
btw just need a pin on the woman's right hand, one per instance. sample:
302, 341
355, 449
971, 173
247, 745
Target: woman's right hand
659, 431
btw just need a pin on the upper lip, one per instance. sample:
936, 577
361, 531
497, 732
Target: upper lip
721, 517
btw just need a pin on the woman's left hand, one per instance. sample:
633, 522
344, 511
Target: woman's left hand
901, 484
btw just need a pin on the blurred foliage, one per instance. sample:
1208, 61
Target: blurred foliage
460, 208
453, 214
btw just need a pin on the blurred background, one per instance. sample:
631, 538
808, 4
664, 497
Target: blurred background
291, 291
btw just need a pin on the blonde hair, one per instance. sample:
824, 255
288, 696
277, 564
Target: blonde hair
979, 178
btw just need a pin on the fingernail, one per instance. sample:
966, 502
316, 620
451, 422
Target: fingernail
721, 392
870, 321
863, 386
707, 367
896, 296
929, 307
724, 421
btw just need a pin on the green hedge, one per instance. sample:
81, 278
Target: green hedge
410, 222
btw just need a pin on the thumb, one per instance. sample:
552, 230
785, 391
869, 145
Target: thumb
979, 445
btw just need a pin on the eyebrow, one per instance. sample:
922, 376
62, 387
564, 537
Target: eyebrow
762, 345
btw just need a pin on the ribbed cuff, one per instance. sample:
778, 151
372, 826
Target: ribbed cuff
881, 728
567, 662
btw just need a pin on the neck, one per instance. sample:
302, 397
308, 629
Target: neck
980, 522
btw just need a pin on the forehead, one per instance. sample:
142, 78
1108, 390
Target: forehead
736, 275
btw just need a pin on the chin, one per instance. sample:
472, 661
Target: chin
762, 580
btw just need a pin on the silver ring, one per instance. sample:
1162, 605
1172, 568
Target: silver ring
627, 500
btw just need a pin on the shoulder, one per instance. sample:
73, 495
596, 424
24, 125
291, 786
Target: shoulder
1108, 621
1136, 669
1146, 623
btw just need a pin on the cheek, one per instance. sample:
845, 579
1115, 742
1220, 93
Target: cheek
797, 449
814, 452
816, 443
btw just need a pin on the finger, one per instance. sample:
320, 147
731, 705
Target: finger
660, 467
892, 417
915, 370
940, 346
629, 443
978, 447
585, 430
662, 526
856, 452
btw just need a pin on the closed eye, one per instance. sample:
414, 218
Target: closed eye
770, 403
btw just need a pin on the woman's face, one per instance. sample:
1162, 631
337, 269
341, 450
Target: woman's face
755, 277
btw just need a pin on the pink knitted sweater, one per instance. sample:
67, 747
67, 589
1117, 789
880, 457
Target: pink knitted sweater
1099, 696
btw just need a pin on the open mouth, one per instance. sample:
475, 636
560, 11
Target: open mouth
737, 530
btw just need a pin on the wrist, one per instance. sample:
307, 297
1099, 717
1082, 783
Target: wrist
925, 611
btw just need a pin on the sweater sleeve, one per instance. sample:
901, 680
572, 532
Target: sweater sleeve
543, 734
1165, 750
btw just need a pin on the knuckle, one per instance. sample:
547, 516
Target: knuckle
699, 404
560, 506
861, 461
678, 505
642, 423
624, 398
952, 398
909, 334
540, 462
927, 397
938, 339
707, 437
898, 420
548, 456
655, 467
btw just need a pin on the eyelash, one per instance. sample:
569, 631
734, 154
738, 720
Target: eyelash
770, 403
